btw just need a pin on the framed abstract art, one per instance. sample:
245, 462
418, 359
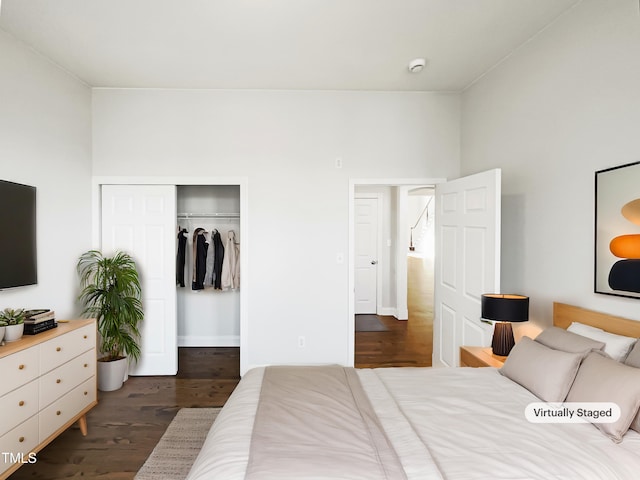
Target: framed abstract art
617, 231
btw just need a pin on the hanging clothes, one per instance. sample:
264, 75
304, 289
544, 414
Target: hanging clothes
231, 263
181, 256
218, 251
199, 259
209, 275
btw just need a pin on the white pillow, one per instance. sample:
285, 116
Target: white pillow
616, 346
545, 372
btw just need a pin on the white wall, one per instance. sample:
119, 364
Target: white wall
285, 144
560, 108
45, 141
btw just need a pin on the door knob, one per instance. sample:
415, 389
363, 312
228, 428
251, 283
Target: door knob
374, 262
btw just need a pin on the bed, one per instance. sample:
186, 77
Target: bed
429, 423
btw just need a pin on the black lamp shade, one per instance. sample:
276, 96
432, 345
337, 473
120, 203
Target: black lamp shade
504, 308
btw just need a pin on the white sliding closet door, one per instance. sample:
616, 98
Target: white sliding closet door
141, 220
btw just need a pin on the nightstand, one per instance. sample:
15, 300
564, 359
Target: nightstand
480, 357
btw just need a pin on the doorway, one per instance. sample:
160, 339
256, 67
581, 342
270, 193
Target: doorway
403, 333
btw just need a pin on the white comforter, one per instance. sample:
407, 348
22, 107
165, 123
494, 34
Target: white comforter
456, 423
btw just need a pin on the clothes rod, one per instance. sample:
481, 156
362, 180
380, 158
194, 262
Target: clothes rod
208, 215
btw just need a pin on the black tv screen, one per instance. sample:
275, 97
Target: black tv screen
18, 257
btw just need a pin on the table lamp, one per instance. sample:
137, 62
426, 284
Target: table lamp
504, 309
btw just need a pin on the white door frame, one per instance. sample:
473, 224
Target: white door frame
378, 197
401, 267
242, 182
402, 238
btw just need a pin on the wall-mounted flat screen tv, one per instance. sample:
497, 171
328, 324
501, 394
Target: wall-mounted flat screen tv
18, 256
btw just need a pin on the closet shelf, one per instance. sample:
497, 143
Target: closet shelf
208, 215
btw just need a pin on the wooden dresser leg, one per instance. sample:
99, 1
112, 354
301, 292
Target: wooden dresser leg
82, 422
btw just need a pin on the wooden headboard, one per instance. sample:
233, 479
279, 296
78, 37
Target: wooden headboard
564, 314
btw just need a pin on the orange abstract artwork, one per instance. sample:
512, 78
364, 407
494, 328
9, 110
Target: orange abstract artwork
625, 274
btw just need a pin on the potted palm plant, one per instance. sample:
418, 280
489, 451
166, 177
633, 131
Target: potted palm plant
110, 292
13, 321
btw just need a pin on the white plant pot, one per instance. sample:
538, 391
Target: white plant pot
2, 333
111, 374
13, 332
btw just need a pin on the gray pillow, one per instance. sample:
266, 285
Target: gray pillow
560, 339
545, 372
633, 359
602, 379
635, 425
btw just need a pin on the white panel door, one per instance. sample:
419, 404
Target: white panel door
467, 262
366, 255
141, 220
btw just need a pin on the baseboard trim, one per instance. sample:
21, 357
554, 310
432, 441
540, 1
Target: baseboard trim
394, 312
209, 341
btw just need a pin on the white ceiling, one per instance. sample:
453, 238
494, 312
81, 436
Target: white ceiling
278, 44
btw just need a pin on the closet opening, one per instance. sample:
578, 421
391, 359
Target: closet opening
207, 278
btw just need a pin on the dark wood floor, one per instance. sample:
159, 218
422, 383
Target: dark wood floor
127, 424
406, 343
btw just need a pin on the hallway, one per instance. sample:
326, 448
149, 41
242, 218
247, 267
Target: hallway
406, 343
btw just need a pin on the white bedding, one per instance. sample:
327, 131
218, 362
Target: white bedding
456, 423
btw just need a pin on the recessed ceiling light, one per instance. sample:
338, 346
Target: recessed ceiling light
416, 65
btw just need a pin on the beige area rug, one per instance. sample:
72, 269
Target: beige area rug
179, 446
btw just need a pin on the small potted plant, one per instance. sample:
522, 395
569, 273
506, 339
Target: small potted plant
14, 323
111, 293
3, 324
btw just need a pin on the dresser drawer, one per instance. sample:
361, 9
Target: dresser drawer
65, 408
18, 443
18, 405
59, 350
64, 378
18, 369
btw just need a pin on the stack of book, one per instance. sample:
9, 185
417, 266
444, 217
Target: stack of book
38, 321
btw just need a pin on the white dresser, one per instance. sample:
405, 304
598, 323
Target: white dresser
47, 382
